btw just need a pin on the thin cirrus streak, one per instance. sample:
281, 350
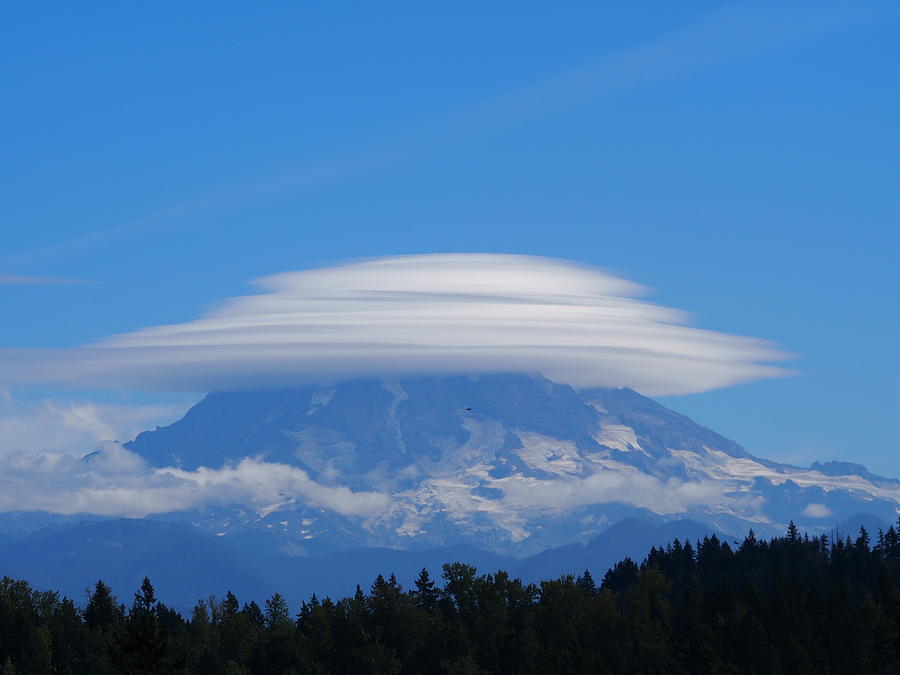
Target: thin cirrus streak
23, 280
717, 36
437, 313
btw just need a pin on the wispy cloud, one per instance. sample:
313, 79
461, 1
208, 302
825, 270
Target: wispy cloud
817, 511
73, 426
715, 37
23, 280
440, 313
115, 481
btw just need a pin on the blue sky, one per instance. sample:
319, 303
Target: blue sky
738, 158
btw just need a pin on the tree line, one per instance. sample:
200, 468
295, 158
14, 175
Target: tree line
792, 604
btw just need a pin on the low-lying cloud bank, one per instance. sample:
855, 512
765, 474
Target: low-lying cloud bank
114, 481
439, 313
605, 487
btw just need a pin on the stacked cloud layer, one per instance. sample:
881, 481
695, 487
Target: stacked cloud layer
438, 313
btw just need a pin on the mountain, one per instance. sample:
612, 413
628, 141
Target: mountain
377, 476
514, 464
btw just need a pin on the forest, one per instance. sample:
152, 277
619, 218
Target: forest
793, 604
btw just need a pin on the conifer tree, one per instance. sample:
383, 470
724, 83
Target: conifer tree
425, 594
586, 582
277, 612
142, 648
793, 534
862, 541
102, 612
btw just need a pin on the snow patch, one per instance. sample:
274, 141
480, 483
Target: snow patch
396, 390
550, 455
319, 399
743, 470
619, 437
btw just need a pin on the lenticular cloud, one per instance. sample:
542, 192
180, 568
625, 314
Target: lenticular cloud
418, 314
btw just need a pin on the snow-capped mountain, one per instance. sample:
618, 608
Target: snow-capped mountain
511, 463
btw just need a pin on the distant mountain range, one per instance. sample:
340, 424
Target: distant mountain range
505, 470
186, 564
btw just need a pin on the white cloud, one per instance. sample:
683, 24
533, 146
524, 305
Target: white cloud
604, 487
115, 481
817, 511
75, 426
418, 314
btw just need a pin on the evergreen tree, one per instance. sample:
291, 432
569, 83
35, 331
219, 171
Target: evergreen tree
791, 604
277, 612
586, 583
142, 647
255, 614
621, 575
238, 635
204, 646
862, 542
102, 612
793, 534
425, 594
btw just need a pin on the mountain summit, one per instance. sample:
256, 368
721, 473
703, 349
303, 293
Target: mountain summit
511, 463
